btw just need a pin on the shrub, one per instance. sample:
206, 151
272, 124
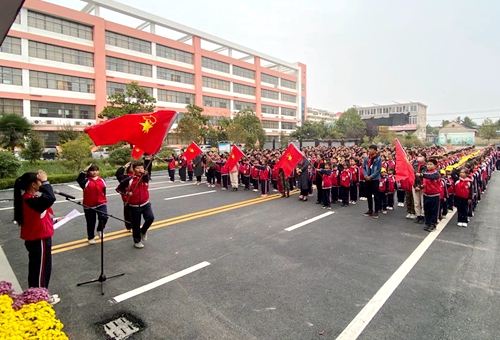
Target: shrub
77, 152
9, 164
119, 156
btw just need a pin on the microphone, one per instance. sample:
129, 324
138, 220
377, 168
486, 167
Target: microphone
68, 196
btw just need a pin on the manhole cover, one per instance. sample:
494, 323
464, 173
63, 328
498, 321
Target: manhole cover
120, 328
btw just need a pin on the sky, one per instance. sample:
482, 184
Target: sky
443, 53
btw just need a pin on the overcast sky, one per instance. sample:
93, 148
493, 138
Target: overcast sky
443, 53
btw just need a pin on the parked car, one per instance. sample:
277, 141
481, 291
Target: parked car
206, 147
49, 154
101, 153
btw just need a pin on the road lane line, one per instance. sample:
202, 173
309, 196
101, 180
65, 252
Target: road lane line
189, 195
364, 317
72, 186
157, 283
306, 222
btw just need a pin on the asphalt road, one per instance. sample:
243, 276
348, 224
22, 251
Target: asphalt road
260, 281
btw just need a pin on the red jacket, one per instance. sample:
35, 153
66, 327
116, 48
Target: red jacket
383, 184
139, 187
94, 192
245, 169
264, 173
431, 183
354, 170
335, 178
36, 225
463, 188
345, 178
450, 185
392, 183
255, 172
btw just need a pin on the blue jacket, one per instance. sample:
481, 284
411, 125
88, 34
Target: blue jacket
374, 170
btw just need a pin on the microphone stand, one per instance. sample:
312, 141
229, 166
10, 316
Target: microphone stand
102, 277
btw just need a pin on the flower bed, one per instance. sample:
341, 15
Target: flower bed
27, 315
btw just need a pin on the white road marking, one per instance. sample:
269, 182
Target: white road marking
157, 283
301, 224
75, 187
451, 242
7, 274
359, 323
196, 194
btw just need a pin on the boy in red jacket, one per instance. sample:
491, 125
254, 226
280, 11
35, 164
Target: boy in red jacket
94, 201
326, 177
391, 179
463, 197
345, 184
383, 190
431, 189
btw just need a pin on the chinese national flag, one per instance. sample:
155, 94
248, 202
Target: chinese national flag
192, 151
145, 131
289, 159
404, 170
136, 153
234, 157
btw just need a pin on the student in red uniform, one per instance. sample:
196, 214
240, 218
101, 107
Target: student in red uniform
335, 183
190, 170
121, 174
326, 176
463, 197
32, 214
255, 176
345, 184
171, 168
94, 201
353, 190
443, 196
182, 162
383, 190
223, 171
264, 177
431, 189
245, 170
391, 179
451, 190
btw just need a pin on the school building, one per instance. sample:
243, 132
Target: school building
58, 65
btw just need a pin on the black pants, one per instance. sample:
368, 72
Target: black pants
171, 174
390, 199
382, 197
344, 195
353, 192
451, 202
255, 183
211, 176
136, 214
126, 216
40, 262
198, 179
443, 209
225, 180
218, 177
91, 215
264, 186
401, 196
362, 189
326, 197
335, 194
431, 209
319, 187
462, 209
372, 195
182, 173
246, 182
190, 175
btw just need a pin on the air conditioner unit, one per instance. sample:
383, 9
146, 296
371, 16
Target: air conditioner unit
48, 122
90, 123
37, 121
78, 123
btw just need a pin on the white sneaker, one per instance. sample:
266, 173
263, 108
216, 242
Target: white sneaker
353, 202
255, 190
223, 189
92, 241
413, 217
139, 245
464, 225
54, 299
408, 216
101, 234
144, 236
459, 224
275, 190
170, 181
390, 208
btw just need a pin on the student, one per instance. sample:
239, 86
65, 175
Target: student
94, 201
345, 184
391, 179
283, 184
371, 171
463, 197
123, 172
223, 171
233, 177
264, 177
182, 162
198, 169
245, 170
443, 196
451, 189
431, 188
317, 165
383, 190
190, 170
171, 167
255, 176
335, 183
137, 188
326, 174
32, 213
353, 189
419, 167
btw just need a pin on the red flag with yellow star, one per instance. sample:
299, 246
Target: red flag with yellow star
192, 151
289, 159
234, 157
136, 153
145, 131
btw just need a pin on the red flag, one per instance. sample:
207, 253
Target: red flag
192, 151
143, 130
136, 153
234, 157
289, 159
404, 169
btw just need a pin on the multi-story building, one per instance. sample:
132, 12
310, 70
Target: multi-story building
320, 115
58, 65
399, 117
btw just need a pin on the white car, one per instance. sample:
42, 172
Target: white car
206, 147
101, 153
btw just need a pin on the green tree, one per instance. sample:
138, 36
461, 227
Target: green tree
468, 122
135, 99
488, 130
284, 140
445, 122
78, 151
236, 133
9, 165
34, 147
193, 126
350, 124
308, 130
410, 141
13, 129
458, 120
119, 156
431, 130
253, 127
67, 133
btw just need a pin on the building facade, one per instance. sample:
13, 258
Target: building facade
405, 117
456, 134
58, 65
320, 115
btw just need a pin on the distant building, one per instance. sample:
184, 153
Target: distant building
456, 134
320, 115
401, 117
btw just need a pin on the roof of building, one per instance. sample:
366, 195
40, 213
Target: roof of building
388, 105
455, 127
8, 13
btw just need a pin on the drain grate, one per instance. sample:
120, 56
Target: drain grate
120, 329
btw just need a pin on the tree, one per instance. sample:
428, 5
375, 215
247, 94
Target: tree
430, 130
308, 130
13, 129
488, 130
351, 121
135, 99
236, 133
371, 128
468, 122
458, 120
445, 122
284, 140
119, 156
9, 164
34, 147
67, 133
77, 151
253, 127
193, 126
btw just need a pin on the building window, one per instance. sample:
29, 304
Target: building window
130, 43
62, 110
11, 76
288, 98
244, 89
303, 87
112, 88
288, 126
175, 97
127, 66
215, 102
274, 110
214, 65
288, 112
58, 25
243, 72
239, 105
18, 18
216, 83
61, 54
270, 124
9, 106
174, 54
288, 83
215, 120
11, 45
270, 94
174, 75
61, 82
266, 78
